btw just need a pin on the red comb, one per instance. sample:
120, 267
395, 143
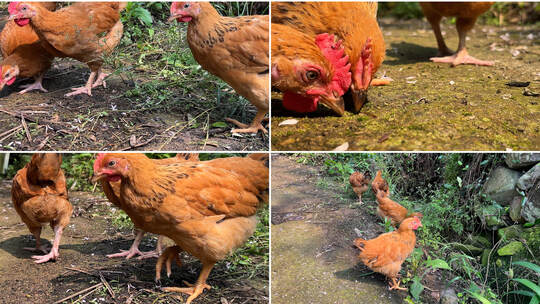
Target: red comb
12, 7
333, 50
98, 161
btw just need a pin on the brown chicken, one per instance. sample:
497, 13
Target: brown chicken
23, 54
385, 253
84, 31
207, 211
360, 183
466, 14
39, 195
389, 209
380, 183
114, 197
353, 22
234, 49
309, 69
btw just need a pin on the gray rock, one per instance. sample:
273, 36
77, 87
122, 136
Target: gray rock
521, 160
531, 209
491, 216
500, 185
515, 210
448, 296
526, 181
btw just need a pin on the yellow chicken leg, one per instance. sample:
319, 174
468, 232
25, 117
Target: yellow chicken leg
255, 126
395, 285
194, 290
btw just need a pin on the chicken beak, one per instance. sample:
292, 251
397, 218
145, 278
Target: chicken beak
359, 97
97, 177
335, 103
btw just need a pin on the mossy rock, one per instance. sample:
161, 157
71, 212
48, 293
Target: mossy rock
532, 237
479, 241
511, 248
485, 256
491, 216
468, 249
511, 232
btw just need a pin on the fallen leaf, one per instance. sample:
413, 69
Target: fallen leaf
288, 122
343, 147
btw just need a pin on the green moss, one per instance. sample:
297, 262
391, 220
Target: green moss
511, 248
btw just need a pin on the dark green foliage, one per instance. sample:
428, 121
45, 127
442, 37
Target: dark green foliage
400, 10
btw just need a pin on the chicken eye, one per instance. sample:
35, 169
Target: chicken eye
111, 163
186, 5
23, 8
312, 75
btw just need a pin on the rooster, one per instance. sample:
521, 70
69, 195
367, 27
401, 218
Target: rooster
466, 13
353, 22
76, 31
234, 49
385, 253
206, 210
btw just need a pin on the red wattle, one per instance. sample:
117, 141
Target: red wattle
11, 81
22, 21
298, 103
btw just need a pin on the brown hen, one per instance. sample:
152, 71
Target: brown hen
39, 196
207, 211
360, 183
235, 49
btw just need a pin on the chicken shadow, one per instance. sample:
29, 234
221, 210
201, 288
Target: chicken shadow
408, 53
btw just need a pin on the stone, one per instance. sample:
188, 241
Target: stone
509, 233
515, 210
500, 185
478, 241
491, 216
526, 181
521, 160
468, 249
530, 210
511, 248
448, 296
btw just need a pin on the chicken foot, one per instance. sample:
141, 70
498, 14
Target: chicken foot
464, 25
95, 79
39, 248
53, 254
255, 126
395, 285
167, 256
194, 290
134, 249
34, 86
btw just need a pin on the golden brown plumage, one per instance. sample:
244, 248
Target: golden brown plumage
392, 210
385, 253
380, 184
208, 211
80, 31
360, 183
466, 14
354, 22
235, 49
24, 55
39, 195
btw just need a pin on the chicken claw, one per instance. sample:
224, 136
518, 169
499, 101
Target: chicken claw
81, 90
395, 285
53, 255
132, 252
193, 291
254, 128
34, 86
461, 57
167, 256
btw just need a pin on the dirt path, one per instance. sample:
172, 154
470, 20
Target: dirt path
432, 106
86, 241
312, 233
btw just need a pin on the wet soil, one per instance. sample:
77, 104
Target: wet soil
432, 106
85, 242
313, 224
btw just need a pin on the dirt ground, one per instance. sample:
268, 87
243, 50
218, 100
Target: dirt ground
85, 242
114, 119
312, 233
431, 106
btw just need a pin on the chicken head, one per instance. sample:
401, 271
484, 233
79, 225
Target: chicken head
21, 12
184, 11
